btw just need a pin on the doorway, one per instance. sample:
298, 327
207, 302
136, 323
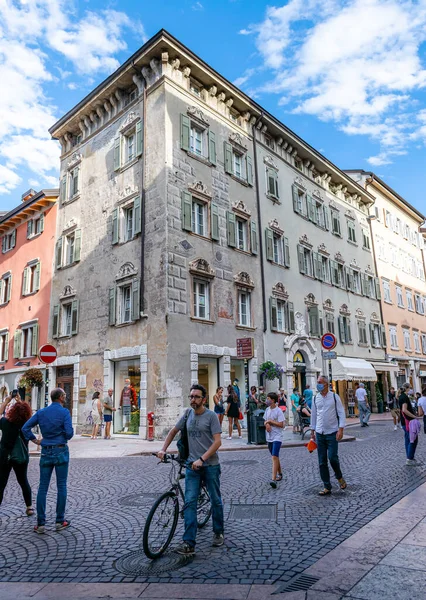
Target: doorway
65, 380
208, 377
299, 375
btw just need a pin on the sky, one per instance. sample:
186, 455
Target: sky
349, 77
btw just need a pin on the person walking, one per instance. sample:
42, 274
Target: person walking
422, 407
393, 407
327, 423
295, 400
219, 409
96, 414
108, 409
408, 415
363, 408
204, 441
233, 412
308, 395
56, 429
14, 452
282, 400
274, 424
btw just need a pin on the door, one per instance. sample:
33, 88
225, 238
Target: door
65, 380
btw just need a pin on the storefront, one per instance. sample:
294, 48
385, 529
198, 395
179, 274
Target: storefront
299, 372
127, 385
346, 372
10, 380
422, 375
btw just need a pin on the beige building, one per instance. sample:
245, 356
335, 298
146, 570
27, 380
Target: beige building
398, 245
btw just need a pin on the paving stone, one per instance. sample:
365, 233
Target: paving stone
390, 583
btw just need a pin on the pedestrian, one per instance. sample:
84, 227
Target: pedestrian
9, 402
416, 402
408, 415
274, 424
14, 452
233, 412
261, 398
295, 399
108, 410
96, 414
204, 431
56, 429
363, 408
307, 395
327, 423
219, 409
282, 400
422, 407
253, 399
393, 407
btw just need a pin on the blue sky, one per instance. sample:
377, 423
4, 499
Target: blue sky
347, 76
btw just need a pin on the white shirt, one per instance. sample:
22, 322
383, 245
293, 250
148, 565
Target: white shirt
276, 433
361, 395
328, 413
422, 403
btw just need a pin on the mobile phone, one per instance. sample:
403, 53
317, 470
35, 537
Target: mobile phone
15, 393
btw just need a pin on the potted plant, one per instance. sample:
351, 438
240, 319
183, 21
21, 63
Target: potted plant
31, 378
270, 370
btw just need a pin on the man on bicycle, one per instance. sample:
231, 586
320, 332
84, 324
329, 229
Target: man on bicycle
204, 438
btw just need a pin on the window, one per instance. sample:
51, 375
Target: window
234, 116
377, 213
126, 222
197, 141
305, 260
314, 321
368, 284
366, 240
388, 219
337, 274
272, 183
362, 334
345, 329
244, 309
198, 220
407, 339
69, 248
321, 267
195, 89
25, 342
335, 223
299, 201
375, 335
424, 343
124, 302
351, 232
73, 183
268, 141
356, 282
393, 337
197, 138
129, 142
317, 212
277, 248
9, 241
201, 299
31, 279
241, 234
5, 288
4, 346
416, 338
399, 296
35, 226
65, 319
329, 322
128, 145
419, 304
410, 304
386, 291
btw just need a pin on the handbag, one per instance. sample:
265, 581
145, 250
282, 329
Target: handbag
240, 416
19, 453
183, 443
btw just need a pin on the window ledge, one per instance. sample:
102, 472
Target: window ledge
9, 250
352, 243
400, 306
201, 159
280, 332
70, 200
204, 321
246, 327
240, 180
123, 243
409, 309
389, 302
247, 252
278, 264
367, 249
65, 336
128, 164
339, 235
198, 235
29, 294
124, 324
274, 199
35, 235
364, 345
4, 304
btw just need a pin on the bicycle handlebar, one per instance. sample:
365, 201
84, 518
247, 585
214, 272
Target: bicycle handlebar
167, 457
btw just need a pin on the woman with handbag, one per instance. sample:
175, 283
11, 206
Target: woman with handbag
233, 412
14, 451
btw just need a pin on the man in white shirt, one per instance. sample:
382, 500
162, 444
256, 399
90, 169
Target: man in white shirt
363, 408
327, 422
421, 407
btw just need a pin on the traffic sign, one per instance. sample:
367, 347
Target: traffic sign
329, 355
328, 341
47, 354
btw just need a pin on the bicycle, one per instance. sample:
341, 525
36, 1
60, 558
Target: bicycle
162, 520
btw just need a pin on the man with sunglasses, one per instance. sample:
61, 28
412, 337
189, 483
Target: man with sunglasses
204, 439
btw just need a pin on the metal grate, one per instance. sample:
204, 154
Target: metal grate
297, 584
239, 463
136, 563
254, 511
140, 500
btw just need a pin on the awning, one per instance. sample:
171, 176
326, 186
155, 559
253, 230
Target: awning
348, 369
385, 366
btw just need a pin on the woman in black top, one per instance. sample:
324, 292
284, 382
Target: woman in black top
10, 427
233, 411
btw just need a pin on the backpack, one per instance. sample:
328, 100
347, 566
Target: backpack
183, 442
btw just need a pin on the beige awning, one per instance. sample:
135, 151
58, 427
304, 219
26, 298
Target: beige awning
350, 369
385, 366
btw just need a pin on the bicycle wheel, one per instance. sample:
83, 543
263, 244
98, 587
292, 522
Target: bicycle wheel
204, 508
160, 525
308, 431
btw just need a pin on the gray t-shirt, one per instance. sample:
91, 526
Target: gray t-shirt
108, 402
201, 429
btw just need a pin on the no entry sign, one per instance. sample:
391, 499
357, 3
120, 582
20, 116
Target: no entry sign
328, 341
47, 354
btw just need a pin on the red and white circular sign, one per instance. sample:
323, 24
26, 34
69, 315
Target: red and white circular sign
47, 354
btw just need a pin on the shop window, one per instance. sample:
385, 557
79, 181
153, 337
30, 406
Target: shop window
5, 288
68, 249
8, 241
127, 392
65, 319
25, 343
4, 346
126, 221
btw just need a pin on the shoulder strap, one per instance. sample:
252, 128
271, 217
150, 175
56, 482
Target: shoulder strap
335, 406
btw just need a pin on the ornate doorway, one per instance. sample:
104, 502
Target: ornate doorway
299, 373
65, 380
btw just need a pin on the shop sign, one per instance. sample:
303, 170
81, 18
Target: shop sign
422, 373
245, 347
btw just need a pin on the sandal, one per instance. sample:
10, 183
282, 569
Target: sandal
279, 477
30, 512
343, 484
325, 492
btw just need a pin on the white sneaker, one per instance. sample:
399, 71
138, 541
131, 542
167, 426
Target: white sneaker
410, 463
395, 428
229, 438
240, 437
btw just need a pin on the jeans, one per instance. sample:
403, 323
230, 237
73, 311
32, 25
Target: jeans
327, 443
424, 423
364, 412
21, 477
210, 475
58, 459
410, 448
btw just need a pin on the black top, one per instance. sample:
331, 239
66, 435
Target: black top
404, 399
10, 432
391, 400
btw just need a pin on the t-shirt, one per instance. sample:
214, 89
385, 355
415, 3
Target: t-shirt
361, 395
108, 402
404, 399
392, 401
276, 433
201, 429
422, 403
294, 398
308, 395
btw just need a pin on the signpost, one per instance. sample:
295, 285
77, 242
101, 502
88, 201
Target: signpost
329, 342
329, 355
47, 354
245, 347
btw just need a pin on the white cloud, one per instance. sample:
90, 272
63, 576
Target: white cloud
197, 6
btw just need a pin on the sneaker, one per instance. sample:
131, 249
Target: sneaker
63, 525
240, 437
229, 437
366, 424
185, 549
273, 485
410, 463
395, 428
39, 529
218, 540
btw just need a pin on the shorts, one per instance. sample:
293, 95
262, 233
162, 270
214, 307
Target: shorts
274, 448
107, 418
396, 413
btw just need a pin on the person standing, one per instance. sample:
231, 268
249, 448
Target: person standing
274, 423
308, 395
327, 423
261, 398
422, 407
219, 409
96, 414
56, 429
408, 415
363, 408
393, 407
108, 410
233, 412
295, 400
282, 400
204, 441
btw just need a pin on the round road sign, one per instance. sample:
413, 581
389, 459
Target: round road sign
47, 354
328, 341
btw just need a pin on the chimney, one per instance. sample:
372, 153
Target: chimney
28, 194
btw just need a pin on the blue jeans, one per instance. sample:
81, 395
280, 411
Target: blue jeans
58, 459
211, 477
410, 448
364, 412
327, 444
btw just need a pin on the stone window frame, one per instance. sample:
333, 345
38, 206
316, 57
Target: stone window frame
271, 179
11, 239
133, 201
72, 172
31, 274
244, 285
68, 297
132, 125
201, 272
236, 146
194, 118
5, 298
328, 311
361, 324
306, 247
240, 213
280, 296
127, 276
4, 345
345, 333
61, 247
19, 339
198, 193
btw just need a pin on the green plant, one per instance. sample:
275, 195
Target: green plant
379, 396
134, 422
31, 378
271, 370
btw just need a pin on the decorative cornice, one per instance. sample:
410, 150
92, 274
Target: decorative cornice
236, 140
344, 310
300, 182
126, 270
328, 305
195, 113
310, 300
243, 279
198, 188
274, 225
201, 267
71, 224
355, 265
305, 241
339, 258
75, 159
317, 194
350, 214
131, 118
323, 250
333, 205
69, 292
359, 314
240, 208
269, 161
375, 317
279, 291
369, 270
128, 191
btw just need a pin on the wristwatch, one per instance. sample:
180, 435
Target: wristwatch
202, 459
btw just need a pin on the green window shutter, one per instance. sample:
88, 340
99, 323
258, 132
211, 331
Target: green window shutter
3, 244
41, 223
37, 277
212, 147
9, 289
249, 166
363, 284
185, 132
227, 149
269, 238
63, 189
137, 214
341, 330
29, 228
272, 182
312, 216
58, 253
301, 258
273, 313
321, 323
214, 216
326, 217
348, 321
383, 335
348, 278
317, 266
74, 317
77, 245
139, 134
25, 281
117, 153
333, 269
377, 286
371, 327
291, 316
13, 238
34, 341
295, 193
17, 339
286, 253
313, 321
6, 347
136, 287
186, 211
115, 226
254, 240
230, 228
1, 289
112, 297
55, 324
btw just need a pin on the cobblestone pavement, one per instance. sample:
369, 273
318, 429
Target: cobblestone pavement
110, 498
